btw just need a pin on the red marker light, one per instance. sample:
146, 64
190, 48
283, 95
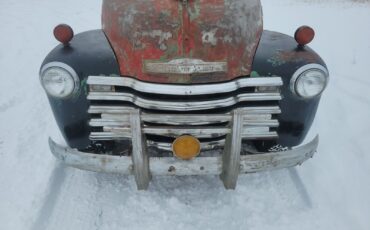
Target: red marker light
63, 33
304, 35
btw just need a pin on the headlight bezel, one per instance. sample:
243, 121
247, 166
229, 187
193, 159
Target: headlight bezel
68, 69
304, 69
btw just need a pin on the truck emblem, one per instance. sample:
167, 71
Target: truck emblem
184, 66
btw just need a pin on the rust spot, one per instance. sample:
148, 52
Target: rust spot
215, 30
292, 56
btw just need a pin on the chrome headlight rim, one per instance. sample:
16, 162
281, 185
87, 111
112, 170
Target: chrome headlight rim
301, 71
68, 69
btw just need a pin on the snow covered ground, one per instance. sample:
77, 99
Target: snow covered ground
332, 191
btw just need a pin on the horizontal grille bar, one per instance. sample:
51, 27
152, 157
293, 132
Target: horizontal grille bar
94, 109
102, 136
186, 119
124, 122
199, 132
115, 133
184, 105
184, 89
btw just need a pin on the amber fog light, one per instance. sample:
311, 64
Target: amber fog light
186, 147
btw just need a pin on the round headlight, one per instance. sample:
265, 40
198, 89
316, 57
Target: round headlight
309, 81
59, 80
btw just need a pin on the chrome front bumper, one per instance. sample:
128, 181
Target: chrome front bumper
228, 167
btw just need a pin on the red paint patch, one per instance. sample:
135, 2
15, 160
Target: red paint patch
209, 30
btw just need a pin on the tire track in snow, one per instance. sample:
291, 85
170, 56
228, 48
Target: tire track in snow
8, 104
288, 187
85, 200
71, 202
353, 79
1, 147
342, 88
56, 180
300, 187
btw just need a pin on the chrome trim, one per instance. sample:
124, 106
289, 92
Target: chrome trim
184, 66
254, 162
164, 119
248, 135
182, 106
140, 157
101, 88
191, 119
256, 121
199, 132
96, 109
231, 152
168, 119
303, 69
107, 136
123, 121
261, 110
115, 133
106, 122
67, 68
270, 123
169, 89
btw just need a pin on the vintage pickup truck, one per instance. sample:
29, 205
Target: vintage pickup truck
183, 87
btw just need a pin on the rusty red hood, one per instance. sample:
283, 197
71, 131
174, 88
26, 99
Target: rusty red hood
179, 41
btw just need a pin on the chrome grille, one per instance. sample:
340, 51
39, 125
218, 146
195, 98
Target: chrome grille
206, 118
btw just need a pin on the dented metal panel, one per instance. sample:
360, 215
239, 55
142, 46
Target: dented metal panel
254, 162
217, 39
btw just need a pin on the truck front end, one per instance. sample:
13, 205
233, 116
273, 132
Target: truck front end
183, 88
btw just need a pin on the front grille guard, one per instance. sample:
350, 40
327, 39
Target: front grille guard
185, 115
122, 122
242, 124
115, 124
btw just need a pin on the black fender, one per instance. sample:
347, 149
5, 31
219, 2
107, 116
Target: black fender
279, 55
89, 53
